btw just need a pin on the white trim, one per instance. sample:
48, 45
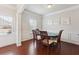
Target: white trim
20, 8
7, 44
19, 45
64, 10
25, 40
27, 11
71, 41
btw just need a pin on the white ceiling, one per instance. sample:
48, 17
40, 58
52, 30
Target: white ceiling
43, 10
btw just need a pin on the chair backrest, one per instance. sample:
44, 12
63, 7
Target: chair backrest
34, 34
59, 35
43, 33
37, 31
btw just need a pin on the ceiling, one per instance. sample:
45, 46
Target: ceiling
43, 10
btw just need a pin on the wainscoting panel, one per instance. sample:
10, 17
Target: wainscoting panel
75, 37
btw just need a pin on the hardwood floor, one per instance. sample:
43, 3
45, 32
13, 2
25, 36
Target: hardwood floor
32, 48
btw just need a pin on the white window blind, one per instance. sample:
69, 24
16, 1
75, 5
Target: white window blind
33, 23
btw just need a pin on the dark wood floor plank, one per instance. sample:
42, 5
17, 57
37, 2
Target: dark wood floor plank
31, 47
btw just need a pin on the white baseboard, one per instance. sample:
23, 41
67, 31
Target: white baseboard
25, 40
7, 44
18, 44
14, 43
71, 41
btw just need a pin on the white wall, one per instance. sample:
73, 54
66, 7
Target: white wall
10, 38
26, 29
71, 30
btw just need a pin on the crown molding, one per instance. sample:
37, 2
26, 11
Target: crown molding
64, 10
20, 8
28, 11
8, 6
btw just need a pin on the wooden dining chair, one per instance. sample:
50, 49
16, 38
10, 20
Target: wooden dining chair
34, 34
59, 35
44, 38
42, 33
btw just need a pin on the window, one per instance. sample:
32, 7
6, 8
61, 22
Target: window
33, 23
6, 20
6, 25
48, 22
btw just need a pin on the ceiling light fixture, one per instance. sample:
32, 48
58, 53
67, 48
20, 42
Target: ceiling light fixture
49, 5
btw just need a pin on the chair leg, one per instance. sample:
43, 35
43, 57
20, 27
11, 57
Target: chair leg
48, 49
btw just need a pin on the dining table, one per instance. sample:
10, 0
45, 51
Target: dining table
51, 35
